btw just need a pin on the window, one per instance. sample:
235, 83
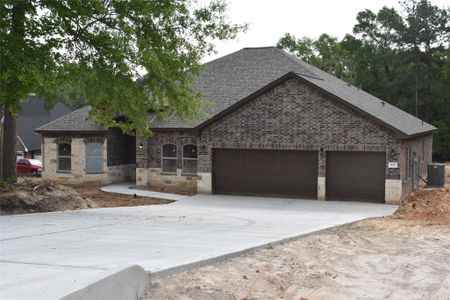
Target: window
64, 157
23, 162
94, 158
169, 158
190, 159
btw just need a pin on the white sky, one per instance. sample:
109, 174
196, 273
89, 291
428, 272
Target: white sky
269, 20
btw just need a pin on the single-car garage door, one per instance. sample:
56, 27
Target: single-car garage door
280, 173
358, 176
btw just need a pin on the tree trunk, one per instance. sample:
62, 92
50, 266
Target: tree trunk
1, 144
9, 145
16, 45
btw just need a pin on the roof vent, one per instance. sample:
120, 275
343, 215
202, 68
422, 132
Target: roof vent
382, 103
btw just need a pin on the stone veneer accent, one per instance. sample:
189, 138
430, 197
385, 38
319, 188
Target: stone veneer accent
177, 183
321, 188
393, 191
204, 183
77, 174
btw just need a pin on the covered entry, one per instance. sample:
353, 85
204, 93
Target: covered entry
357, 176
278, 173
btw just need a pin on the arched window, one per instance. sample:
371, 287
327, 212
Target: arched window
169, 158
190, 159
64, 157
94, 157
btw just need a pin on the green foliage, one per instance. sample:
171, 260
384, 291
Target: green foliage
393, 55
93, 51
5, 183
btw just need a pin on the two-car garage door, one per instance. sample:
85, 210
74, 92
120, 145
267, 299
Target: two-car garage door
286, 173
357, 176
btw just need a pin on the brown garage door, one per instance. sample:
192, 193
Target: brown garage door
357, 176
282, 173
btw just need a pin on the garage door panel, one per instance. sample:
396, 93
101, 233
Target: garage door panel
265, 172
358, 176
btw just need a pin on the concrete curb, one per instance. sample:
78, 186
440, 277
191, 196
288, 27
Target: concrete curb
122, 283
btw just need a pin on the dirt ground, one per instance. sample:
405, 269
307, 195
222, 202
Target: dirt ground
405, 256
30, 195
447, 174
113, 200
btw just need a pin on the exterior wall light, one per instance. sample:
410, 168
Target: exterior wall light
141, 146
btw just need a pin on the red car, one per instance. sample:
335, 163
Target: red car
27, 165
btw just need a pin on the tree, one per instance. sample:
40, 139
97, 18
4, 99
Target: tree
98, 49
400, 57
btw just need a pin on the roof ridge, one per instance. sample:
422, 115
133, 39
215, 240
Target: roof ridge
54, 121
299, 62
226, 55
262, 47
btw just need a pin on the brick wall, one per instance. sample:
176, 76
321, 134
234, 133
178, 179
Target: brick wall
121, 148
420, 148
294, 115
148, 158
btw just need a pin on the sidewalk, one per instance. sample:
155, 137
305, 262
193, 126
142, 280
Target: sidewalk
126, 188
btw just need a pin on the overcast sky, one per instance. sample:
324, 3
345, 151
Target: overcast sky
268, 20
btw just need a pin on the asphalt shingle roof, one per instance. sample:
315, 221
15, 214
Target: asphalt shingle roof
76, 121
229, 79
33, 115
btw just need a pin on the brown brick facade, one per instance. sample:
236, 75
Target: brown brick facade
292, 115
296, 116
419, 148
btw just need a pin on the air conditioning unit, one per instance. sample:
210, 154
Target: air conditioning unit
436, 175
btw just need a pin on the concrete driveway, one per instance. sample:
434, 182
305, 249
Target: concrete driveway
49, 255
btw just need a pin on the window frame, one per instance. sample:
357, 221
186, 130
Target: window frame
169, 158
189, 158
98, 157
59, 170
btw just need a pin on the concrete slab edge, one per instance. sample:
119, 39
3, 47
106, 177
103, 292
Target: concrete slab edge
129, 191
225, 257
128, 282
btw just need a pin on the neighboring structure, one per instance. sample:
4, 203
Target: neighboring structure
280, 127
75, 151
32, 115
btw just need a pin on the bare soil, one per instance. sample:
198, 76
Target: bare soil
31, 195
405, 256
104, 199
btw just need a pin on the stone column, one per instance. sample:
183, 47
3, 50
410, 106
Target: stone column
321, 174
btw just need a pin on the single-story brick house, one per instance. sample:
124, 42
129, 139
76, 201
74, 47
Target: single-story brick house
277, 126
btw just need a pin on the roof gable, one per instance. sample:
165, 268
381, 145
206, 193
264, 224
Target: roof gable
76, 121
234, 78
